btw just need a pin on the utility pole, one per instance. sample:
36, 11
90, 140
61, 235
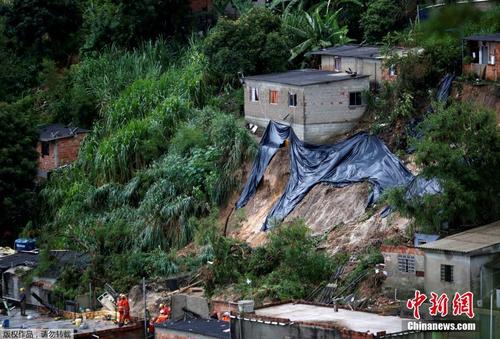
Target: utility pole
145, 309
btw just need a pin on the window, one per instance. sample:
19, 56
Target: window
447, 273
254, 94
406, 263
393, 70
338, 64
355, 99
292, 99
45, 148
273, 97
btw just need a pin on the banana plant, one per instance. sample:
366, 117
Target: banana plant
287, 6
315, 30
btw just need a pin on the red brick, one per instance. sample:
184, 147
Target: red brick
67, 150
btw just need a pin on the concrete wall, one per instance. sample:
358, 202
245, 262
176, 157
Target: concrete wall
251, 329
128, 332
404, 282
15, 283
371, 67
194, 304
461, 273
165, 333
322, 110
61, 152
260, 112
327, 110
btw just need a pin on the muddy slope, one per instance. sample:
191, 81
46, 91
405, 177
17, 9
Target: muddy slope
337, 214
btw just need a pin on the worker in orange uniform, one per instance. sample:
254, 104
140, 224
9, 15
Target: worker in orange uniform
126, 310
166, 310
164, 314
121, 310
226, 317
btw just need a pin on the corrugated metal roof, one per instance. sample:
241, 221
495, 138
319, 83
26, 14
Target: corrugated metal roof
58, 131
484, 37
469, 241
18, 259
304, 77
355, 51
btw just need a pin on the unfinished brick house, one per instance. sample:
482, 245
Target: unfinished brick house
482, 56
367, 60
317, 104
58, 145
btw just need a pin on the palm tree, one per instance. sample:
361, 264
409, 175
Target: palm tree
315, 30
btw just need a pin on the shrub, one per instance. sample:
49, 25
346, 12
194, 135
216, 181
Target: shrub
273, 270
252, 44
460, 148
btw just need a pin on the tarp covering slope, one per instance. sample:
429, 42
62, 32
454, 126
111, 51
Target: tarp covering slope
362, 157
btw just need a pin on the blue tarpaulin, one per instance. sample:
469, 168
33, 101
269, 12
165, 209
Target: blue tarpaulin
362, 157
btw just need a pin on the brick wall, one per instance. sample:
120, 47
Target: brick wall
61, 152
386, 76
200, 5
493, 71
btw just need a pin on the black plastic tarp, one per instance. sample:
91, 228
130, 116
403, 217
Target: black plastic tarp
362, 157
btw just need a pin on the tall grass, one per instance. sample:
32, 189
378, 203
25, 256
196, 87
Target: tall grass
157, 158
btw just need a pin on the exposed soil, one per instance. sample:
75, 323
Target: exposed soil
338, 214
246, 223
368, 230
485, 95
325, 206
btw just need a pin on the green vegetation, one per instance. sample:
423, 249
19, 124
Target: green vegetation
315, 30
157, 157
167, 145
252, 44
286, 267
17, 167
460, 147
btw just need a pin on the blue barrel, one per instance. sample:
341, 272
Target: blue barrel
23, 244
5, 323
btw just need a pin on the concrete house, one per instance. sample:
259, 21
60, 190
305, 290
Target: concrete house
367, 60
13, 269
58, 145
466, 261
482, 56
317, 104
404, 268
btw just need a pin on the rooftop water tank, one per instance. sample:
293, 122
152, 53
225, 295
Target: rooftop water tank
23, 245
